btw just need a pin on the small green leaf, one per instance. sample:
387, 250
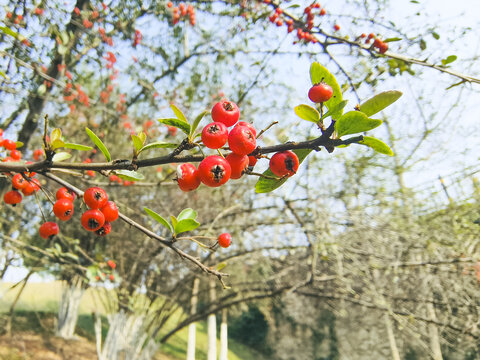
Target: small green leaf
435, 35
197, 121
159, 219
377, 145
61, 156
2, 74
99, 144
129, 175
77, 147
265, 185
221, 266
178, 113
55, 135
354, 122
423, 44
137, 142
449, 59
8, 31
319, 73
182, 125
19, 144
42, 89
158, 145
91, 272
393, 39
186, 225
56, 144
174, 220
335, 111
187, 214
380, 102
308, 113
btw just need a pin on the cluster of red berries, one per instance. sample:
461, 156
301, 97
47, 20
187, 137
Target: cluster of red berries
111, 277
377, 43
138, 38
17, 19
215, 170
182, 11
10, 145
115, 179
25, 183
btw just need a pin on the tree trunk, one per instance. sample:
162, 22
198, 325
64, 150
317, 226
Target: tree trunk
391, 337
192, 326
433, 332
212, 325
68, 307
224, 337
11, 312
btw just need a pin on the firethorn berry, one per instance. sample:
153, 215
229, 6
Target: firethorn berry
19, 182
284, 163
92, 219
15, 155
29, 189
12, 197
112, 278
226, 112
64, 193
112, 264
95, 197
336, 27
224, 240
9, 144
320, 93
214, 171
241, 140
63, 209
252, 160
48, 229
238, 163
215, 135
323, 12
110, 211
104, 230
188, 177
250, 126
36, 184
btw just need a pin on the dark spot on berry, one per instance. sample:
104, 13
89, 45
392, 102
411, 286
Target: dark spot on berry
213, 129
228, 106
289, 164
92, 223
98, 195
100, 231
218, 172
68, 212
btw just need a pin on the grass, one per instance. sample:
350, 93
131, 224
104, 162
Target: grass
38, 304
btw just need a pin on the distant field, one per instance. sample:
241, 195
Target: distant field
39, 299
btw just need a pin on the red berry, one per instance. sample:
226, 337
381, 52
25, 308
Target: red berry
214, 171
110, 211
241, 140
224, 240
320, 93
188, 177
226, 112
105, 229
28, 189
215, 135
48, 229
371, 36
112, 264
323, 12
252, 160
12, 197
92, 219
112, 278
19, 182
238, 163
64, 193
15, 155
250, 126
9, 144
284, 163
95, 197
336, 27
63, 209
382, 49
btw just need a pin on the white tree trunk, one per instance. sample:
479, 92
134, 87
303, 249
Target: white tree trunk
212, 326
391, 337
192, 326
434, 336
224, 337
68, 308
127, 338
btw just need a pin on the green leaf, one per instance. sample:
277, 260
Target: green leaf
8, 31
137, 142
423, 44
99, 144
77, 147
380, 102
19, 144
61, 156
178, 113
182, 125
435, 35
186, 225
187, 214
129, 175
377, 145
265, 185
2, 74
174, 220
142, 136
55, 135
319, 73
158, 145
308, 113
354, 122
335, 111
449, 59
197, 121
158, 218
221, 266
56, 144
393, 39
